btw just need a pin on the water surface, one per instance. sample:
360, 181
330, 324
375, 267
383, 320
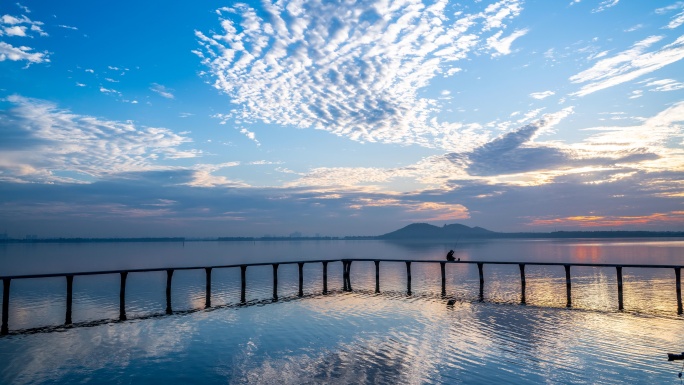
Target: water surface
391, 337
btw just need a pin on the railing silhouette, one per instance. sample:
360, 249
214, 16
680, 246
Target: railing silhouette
346, 277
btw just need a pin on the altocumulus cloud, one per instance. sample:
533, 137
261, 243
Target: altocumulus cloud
42, 141
351, 68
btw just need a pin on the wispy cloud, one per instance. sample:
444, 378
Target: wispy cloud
604, 5
109, 91
628, 65
44, 141
677, 19
665, 85
161, 90
502, 46
353, 69
24, 8
542, 95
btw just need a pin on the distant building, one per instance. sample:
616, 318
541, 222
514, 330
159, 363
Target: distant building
296, 234
31, 236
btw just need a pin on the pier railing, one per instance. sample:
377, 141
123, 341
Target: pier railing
346, 277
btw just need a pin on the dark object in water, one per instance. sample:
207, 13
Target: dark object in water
675, 357
450, 256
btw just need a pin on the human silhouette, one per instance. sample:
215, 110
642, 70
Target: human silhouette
450, 256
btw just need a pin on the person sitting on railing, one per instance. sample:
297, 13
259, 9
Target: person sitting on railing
450, 256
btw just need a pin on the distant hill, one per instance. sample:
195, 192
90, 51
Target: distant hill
428, 231
418, 231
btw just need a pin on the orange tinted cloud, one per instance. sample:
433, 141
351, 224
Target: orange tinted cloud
612, 221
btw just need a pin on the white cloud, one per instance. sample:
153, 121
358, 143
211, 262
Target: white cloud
17, 30
80, 84
19, 27
628, 65
47, 141
542, 95
23, 8
635, 28
251, 135
502, 46
665, 85
161, 90
109, 91
68, 27
9, 52
351, 69
677, 19
604, 5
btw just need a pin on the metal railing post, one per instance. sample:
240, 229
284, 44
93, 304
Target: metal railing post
325, 277
69, 298
479, 268
678, 284
122, 296
442, 266
377, 276
301, 278
275, 281
619, 284
169, 276
4, 329
243, 282
522, 283
568, 286
207, 290
408, 277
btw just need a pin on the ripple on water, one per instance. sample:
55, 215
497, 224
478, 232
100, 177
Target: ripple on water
355, 338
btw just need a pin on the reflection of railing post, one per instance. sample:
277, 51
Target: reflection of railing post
301, 278
325, 277
207, 295
4, 329
678, 284
442, 266
275, 281
377, 276
70, 292
522, 283
122, 296
568, 286
408, 277
243, 284
479, 268
169, 276
619, 284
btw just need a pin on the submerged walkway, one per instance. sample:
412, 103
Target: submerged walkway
346, 275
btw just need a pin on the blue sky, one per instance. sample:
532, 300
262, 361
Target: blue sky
340, 117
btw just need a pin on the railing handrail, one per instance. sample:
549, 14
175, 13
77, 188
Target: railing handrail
346, 267
485, 262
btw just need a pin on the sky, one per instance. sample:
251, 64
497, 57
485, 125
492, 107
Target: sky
339, 117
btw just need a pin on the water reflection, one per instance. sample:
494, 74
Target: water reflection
352, 338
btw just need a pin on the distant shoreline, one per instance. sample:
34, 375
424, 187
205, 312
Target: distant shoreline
386, 237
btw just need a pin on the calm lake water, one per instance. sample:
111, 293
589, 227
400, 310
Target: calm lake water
343, 337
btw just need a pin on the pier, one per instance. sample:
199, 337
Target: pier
346, 277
